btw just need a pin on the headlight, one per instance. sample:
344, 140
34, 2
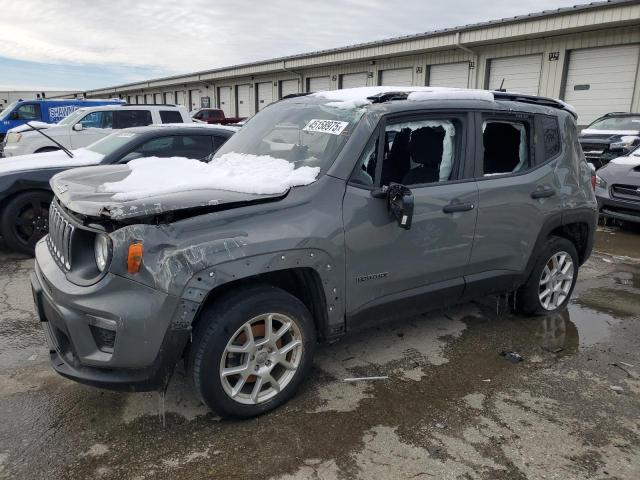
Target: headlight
600, 182
13, 137
102, 247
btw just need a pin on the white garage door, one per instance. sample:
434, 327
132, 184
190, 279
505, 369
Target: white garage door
353, 80
601, 80
401, 77
520, 74
244, 105
455, 75
148, 99
180, 97
265, 94
288, 87
319, 84
224, 100
169, 98
194, 95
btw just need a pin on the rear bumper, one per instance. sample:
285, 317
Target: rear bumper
618, 209
146, 347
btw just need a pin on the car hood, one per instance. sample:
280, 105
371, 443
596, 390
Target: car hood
606, 136
625, 170
37, 125
79, 190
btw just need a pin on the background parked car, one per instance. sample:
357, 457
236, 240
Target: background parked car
610, 136
87, 125
215, 115
43, 111
25, 193
618, 188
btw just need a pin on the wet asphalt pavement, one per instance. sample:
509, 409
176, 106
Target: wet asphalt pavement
452, 407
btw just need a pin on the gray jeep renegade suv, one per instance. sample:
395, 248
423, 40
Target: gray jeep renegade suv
422, 199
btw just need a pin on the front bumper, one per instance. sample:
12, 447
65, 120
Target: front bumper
13, 150
146, 346
617, 209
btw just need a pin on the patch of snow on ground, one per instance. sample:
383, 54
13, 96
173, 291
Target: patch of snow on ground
235, 172
57, 159
357, 97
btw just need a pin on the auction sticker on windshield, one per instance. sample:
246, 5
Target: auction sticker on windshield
333, 127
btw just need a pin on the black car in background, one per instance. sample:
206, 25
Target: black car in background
611, 136
25, 193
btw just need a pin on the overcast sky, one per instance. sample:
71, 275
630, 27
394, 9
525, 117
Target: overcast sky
79, 44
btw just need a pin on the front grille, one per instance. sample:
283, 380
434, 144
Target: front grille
60, 237
596, 148
626, 192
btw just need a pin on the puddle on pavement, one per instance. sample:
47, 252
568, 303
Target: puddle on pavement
592, 327
619, 241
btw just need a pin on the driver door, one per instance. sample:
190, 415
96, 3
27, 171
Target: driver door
392, 271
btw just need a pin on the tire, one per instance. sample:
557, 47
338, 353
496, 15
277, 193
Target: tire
225, 326
530, 298
25, 220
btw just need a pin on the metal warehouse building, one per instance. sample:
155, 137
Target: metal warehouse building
587, 55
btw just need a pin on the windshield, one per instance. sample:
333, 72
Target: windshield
110, 143
616, 123
305, 134
7, 110
71, 118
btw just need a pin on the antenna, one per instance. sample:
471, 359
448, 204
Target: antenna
501, 89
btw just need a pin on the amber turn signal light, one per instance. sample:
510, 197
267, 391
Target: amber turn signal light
134, 258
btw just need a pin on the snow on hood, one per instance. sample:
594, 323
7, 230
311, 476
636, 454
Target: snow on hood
596, 131
25, 127
357, 97
630, 161
235, 172
57, 159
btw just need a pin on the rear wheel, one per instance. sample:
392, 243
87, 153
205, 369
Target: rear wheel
25, 220
251, 351
552, 280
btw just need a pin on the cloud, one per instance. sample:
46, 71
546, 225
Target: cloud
181, 36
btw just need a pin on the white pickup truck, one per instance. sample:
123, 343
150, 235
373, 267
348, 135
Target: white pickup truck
87, 125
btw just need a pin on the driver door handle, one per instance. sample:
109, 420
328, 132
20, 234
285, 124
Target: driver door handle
454, 207
543, 192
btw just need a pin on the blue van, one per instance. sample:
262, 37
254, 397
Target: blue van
47, 111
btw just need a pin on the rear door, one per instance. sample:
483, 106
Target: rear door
518, 191
395, 271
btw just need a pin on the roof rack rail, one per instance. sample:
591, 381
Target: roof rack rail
535, 100
388, 96
294, 95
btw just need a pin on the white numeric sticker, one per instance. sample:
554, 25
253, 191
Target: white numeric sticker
334, 127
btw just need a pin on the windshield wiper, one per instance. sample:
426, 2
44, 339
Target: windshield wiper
62, 147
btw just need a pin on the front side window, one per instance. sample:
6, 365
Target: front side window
506, 147
170, 116
28, 112
420, 152
98, 120
133, 118
197, 147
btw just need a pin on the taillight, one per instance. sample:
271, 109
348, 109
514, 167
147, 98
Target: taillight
593, 180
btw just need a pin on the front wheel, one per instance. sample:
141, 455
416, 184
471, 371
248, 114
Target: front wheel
552, 280
251, 351
25, 220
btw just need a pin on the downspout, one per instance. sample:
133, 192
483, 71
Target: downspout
468, 50
284, 63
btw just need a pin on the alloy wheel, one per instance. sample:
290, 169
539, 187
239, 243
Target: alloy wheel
556, 280
261, 358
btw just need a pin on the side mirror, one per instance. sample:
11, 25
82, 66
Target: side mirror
399, 203
78, 127
14, 116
